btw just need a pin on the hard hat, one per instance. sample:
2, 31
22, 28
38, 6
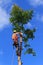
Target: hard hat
14, 31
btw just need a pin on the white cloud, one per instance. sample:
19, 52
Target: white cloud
0, 1
5, 2
4, 18
39, 17
36, 2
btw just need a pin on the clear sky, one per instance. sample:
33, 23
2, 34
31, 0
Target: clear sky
6, 50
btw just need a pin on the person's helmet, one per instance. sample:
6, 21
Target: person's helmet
14, 31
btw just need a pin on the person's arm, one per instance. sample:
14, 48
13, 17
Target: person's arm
21, 34
17, 32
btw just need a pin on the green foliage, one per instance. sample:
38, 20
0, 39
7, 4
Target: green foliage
30, 51
19, 17
29, 33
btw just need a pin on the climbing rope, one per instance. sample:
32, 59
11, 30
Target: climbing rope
12, 61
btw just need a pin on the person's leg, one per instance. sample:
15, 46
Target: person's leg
15, 44
17, 49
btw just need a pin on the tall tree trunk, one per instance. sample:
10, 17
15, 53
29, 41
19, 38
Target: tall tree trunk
20, 49
19, 57
19, 60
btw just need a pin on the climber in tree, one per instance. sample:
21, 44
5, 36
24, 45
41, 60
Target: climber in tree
15, 39
16, 44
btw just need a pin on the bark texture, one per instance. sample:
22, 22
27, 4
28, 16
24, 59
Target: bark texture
19, 61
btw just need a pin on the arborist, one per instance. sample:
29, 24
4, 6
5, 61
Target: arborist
16, 44
15, 39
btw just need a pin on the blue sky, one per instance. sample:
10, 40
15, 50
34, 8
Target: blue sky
6, 50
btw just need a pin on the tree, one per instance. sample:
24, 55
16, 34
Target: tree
18, 18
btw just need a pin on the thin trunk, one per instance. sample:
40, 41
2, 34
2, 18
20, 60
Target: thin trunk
19, 57
19, 61
20, 49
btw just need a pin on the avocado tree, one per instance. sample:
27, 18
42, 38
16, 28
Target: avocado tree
18, 18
